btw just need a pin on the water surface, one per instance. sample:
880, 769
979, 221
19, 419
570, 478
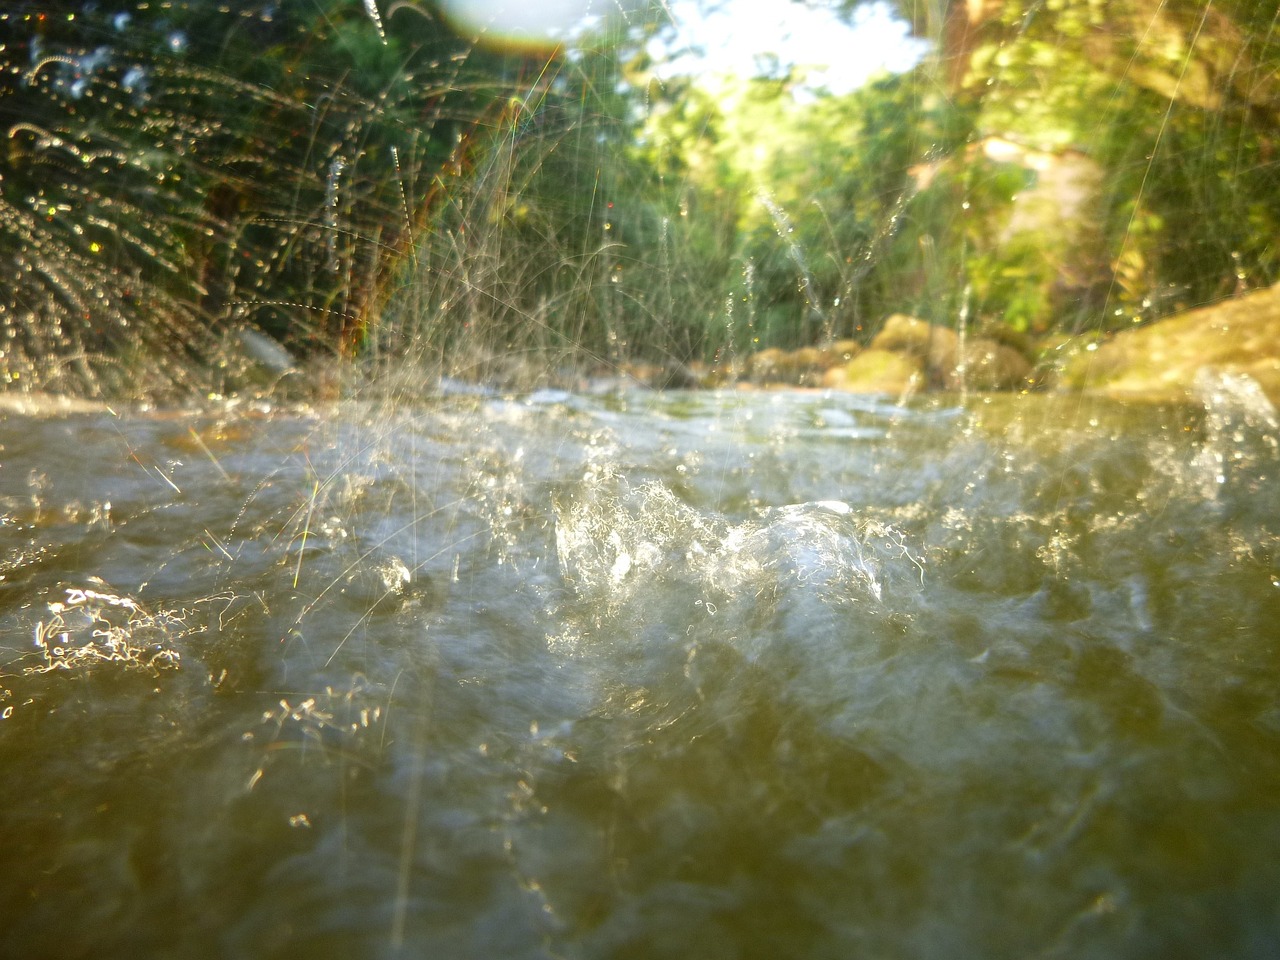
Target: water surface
707, 674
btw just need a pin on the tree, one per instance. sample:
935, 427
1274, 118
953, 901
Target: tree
1176, 103
177, 170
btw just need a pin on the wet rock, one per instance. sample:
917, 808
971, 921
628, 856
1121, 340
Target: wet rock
1003, 333
877, 371
765, 366
803, 367
1162, 360
794, 368
988, 365
679, 376
907, 354
935, 347
672, 375
838, 353
722, 371
1054, 355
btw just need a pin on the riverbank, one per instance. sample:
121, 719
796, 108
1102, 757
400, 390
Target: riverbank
1164, 361
1161, 361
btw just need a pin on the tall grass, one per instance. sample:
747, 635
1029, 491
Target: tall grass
176, 177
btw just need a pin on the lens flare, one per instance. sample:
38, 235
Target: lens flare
529, 26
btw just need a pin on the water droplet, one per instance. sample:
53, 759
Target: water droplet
371, 7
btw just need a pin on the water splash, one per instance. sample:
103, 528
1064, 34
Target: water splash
786, 232
371, 8
331, 199
1241, 449
147, 223
617, 544
93, 626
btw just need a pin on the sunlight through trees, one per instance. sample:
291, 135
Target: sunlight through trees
175, 177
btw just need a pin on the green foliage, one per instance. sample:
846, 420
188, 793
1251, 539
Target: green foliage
1066, 165
173, 171
558, 246
798, 211
1177, 105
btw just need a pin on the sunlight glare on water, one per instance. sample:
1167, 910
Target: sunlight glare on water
714, 674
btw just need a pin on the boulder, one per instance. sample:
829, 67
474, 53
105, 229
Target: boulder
877, 371
935, 347
1162, 360
988, 365
764, 366
796, 368
837, 353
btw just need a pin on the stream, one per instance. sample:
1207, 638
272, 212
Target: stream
694, 674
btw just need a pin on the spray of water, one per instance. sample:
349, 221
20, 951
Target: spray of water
786, 230
155, 205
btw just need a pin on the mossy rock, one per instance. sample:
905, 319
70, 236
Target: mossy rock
989, 365
1054, 354
936, 347
765, 366
1007, 335
1162, 360
838, 353
877, 371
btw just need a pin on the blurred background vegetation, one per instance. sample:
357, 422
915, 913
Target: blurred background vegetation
366, 181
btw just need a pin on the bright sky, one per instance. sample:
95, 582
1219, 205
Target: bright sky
733, 37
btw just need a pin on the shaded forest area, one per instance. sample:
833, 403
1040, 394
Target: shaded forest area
181, 178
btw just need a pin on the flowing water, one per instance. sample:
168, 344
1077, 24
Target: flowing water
711, 675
